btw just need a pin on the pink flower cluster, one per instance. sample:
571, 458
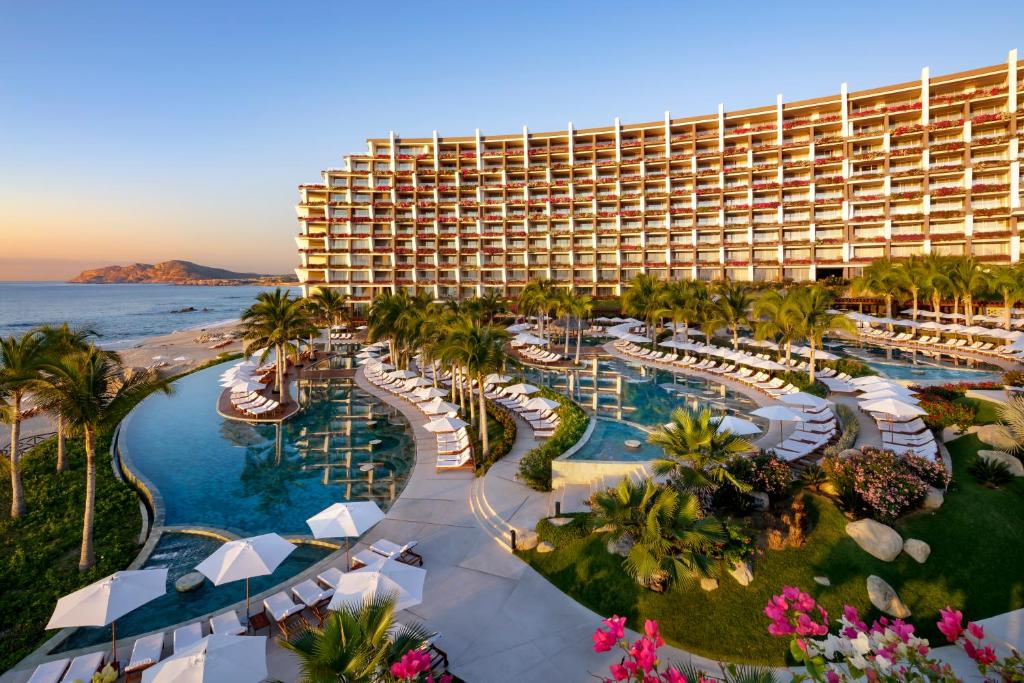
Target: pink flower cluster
641, 664
412, 664
951, 626
795, 613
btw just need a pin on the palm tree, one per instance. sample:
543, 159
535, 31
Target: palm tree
915, 275
535, 299
58, 340
1012, 413
696, 453
1009, 282
482, 350
91, 392
563, 309
968, 280
670, 537
21, 362
355, 644
276, 321
688, 302
580, 306
817, 320
778, 318
933, 281
331, 308
644, 300
731, 309
882, 278
490, 305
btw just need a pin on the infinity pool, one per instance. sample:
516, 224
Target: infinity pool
253, 479
180, 553
607, 442
917, 365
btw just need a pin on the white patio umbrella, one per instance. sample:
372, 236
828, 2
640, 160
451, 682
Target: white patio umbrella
889, 393
495, 378
401, 374
430, 392
802, 398
541, 403
345, 520
418, 382
445, 424
245, 558
369, 360
103, 602
247, 385
894, 407
779, 414
635, 338
217, 658
521, 389
438, 407
729, 423
526, 339
520, 327
387, 577
866, 379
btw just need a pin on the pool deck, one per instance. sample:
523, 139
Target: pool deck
288, 408
999, 361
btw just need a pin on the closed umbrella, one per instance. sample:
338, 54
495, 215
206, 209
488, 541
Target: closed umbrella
245, 558
445, 424
389, 577
217, 658
103, 602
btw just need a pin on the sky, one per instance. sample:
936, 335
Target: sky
141, 132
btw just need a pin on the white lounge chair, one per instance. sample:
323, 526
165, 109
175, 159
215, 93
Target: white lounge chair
50, 672
146, 652
186, 636
283, 610
83, 667
227, 624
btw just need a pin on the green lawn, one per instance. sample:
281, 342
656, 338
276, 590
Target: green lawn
986, 412
39, 552
977, 540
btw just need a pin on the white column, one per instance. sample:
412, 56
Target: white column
526, 148
721, 126
437, 156
925, 95
1015, 249
1011, 80
572, 144
479, 151
778, 119
844, 104
391, 139
618, 141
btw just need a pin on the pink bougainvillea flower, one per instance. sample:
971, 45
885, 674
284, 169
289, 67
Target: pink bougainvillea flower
982, 655
673, 676
618, 672
831, 676
951, 624
616, 625
603, 640
977, 631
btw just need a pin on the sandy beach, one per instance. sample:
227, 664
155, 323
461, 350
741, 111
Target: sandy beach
193, 345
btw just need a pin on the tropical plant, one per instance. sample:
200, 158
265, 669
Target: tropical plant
643, 299
817, 320
1012, 413
537, 299
481, 349
813, 477
355, 644
731, 308
990, 473
697, 453
915, 272
687, 302
21, 362
580, 307
883, 278
91, 391
933, 282
967, 280
670, 537
276, 321
330, 308
58, 340
1009, 282
777, 317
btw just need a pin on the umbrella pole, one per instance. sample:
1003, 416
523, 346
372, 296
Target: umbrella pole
247, 602
113, 646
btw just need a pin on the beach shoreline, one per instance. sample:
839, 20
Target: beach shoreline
182, 343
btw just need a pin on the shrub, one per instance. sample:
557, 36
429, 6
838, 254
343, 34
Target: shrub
535, 467
580, 526
850, 366
876, 483
990, 473
812, 477
499, 447
1014, 378
771, 475
802, 381
944, 413
726, 498
932, 472
851, 428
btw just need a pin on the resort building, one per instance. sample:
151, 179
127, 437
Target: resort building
791, 190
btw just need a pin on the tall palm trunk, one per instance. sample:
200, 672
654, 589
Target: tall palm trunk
579, 341
483, 419
472, 406
888, 310
913, 294
567, 336
937, 305
17, 491
735, 337
455, 388
434, 366
1007, 306
86, 558
789, 353
810, 363
62, 463
968, 308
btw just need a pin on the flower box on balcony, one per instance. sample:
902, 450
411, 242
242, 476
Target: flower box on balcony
995, 163
942, 125
764, 186
908, 238
995, 211
989, 118
990, 187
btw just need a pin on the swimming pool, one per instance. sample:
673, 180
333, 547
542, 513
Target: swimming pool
916, 365
180, 553
620, 392
251, 479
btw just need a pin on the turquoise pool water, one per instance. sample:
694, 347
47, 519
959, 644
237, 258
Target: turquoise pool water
622, 392
916, 365
180, 553
253, 479
607, 442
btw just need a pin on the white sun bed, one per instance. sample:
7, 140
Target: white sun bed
187, 635
50, 672
83, 667
146, 652
330, 577
227, 624
280, 606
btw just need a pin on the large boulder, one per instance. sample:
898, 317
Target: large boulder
884, 597
917, 549
822, 581
998, 436
934, 499
709, 584
189, 582
876, 538
526, 539
760, 500
1015, 466
559, 521
544, 547
742, 573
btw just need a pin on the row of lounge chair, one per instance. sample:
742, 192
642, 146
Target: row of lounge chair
281, 609
543, 422
253, 403
539, 355
810, 436
939, 344
454, 449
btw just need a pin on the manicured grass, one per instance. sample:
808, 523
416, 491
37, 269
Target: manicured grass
39, 552
986, 412
976, 538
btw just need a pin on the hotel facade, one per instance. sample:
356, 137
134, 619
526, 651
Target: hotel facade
789, 191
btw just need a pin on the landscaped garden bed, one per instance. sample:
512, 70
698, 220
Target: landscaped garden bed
974, 537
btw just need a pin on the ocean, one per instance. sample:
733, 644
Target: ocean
122, 314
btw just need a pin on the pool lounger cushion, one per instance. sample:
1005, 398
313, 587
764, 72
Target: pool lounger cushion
187, 635
227, 624
145, 652
50, 672
83, 667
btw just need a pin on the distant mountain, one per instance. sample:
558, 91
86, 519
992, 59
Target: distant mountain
173, 272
